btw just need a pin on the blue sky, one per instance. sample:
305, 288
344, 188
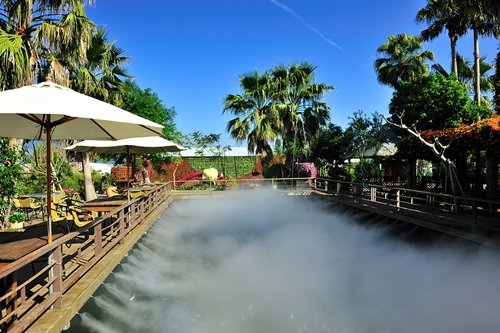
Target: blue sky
192, 53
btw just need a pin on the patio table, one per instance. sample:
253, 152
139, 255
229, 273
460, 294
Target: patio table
104, 205
14, 246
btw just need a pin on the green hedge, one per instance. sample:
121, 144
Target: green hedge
232, 167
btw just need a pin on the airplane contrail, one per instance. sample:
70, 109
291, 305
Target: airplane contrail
303, 22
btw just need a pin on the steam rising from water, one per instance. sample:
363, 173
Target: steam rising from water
268, 263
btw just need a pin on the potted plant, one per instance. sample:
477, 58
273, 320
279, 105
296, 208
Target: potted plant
16, 220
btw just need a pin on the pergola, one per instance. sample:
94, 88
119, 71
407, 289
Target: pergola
480, 140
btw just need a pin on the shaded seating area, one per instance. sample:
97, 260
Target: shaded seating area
71, 217
30, 206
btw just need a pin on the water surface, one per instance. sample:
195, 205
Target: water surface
275, 263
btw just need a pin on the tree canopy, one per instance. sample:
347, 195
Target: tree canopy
147, 104
282, 103
435, 102
39, 38
401, 59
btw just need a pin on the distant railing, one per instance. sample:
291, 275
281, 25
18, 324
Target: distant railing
25, 301
244, 184
473, 212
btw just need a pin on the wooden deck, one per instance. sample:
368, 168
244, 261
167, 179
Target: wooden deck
89, 254
34, 275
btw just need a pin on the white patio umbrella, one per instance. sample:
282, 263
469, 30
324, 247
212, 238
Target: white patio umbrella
145, 145
54, 112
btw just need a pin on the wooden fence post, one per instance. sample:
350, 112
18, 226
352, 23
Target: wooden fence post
58, 272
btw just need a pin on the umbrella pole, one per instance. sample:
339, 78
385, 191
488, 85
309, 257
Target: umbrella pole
128, 168
49, 185
128, 172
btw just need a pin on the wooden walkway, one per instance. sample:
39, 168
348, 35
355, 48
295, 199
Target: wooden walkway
87, 258
41, 280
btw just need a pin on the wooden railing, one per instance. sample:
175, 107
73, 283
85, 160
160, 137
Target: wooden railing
37, 282
465, 212
54, 268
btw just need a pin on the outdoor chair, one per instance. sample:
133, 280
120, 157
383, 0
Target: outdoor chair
70, 218
135, 194
58, 197
112, 191
73, 200
29, 206
60, 216
81, 217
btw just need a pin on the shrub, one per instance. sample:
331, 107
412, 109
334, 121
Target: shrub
17, 217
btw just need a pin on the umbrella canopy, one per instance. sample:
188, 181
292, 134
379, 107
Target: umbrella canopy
51, 111
145, 145
150, 144
26, 112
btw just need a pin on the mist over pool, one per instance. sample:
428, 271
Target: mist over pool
263, 262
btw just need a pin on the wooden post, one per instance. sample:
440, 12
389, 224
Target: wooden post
123, 231
11, 302
58, 272
492, 179
98, 238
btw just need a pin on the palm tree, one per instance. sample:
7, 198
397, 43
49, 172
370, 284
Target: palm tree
442, 15
466, 75
494, 7
483, 22
101, 76
298, 101
496, 83
402, 60
256, 119
33, 35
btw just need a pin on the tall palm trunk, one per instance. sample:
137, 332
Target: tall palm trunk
477, 70
496, 81
453, 46
89, 185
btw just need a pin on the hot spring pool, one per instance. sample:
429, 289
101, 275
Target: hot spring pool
273, 264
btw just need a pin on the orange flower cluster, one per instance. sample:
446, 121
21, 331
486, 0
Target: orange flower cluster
485, 134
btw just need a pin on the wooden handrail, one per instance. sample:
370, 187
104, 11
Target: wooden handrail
136, 210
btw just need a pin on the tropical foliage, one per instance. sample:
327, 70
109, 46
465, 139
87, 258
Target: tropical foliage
328, 148
101, 74
457, 17
443, 15
39, 37
10, 172
256, 119
435, 102
147, 104
496, 84
297, 99
283, 103
401, 59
